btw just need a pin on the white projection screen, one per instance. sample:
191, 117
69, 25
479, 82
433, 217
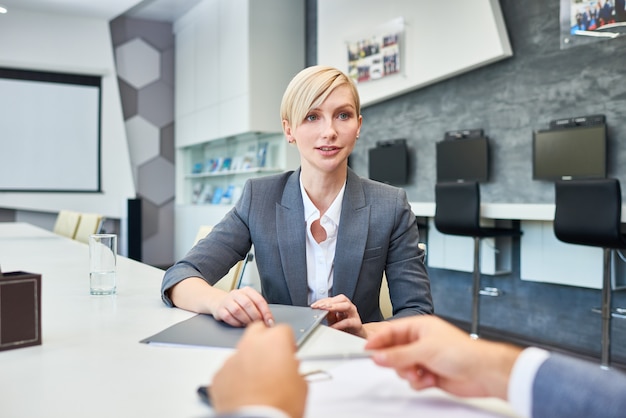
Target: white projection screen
49, 132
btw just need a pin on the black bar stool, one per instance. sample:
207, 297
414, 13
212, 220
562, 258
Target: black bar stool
589, 212
457, 212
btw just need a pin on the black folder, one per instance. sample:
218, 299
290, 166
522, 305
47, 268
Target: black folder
205, 331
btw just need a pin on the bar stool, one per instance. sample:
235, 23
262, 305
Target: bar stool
457, 212
589, 212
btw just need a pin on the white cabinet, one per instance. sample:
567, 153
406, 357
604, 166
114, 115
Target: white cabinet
234, 59
545, 259
457, 252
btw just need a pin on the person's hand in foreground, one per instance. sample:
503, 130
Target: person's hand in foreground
429, 352
263, 371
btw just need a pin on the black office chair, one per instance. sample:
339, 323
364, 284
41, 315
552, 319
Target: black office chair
588, 212
457, 212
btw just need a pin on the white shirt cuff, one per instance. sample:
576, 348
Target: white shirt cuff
520, 391
259, 411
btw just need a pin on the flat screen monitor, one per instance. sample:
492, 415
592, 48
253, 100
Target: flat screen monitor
463, 159
570, 153
389, 162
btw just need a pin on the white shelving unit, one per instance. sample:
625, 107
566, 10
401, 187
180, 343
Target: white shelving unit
202, 172
234, 59
215, 171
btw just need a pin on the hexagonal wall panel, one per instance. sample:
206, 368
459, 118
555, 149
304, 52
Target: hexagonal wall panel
143, 140
156, 180
168, 149
156, 103
128, 95
168, 66
138, 63
150, 218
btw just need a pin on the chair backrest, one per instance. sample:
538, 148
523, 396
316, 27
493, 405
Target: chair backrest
457, 208
384, 299
66, 223
588, 212
231, 279
90, 223
203, 231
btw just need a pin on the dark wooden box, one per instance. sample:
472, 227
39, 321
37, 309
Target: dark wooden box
20, 310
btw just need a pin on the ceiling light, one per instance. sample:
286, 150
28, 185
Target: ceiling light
3, 9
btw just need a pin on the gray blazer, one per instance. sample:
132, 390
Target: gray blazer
568, 387
377, 233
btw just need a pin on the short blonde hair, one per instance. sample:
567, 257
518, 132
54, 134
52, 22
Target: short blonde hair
309, 88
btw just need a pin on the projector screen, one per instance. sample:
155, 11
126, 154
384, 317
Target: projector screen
50, 132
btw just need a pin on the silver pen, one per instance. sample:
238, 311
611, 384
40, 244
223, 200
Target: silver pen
336, 356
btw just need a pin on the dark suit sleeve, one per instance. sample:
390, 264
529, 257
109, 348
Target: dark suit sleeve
568, 387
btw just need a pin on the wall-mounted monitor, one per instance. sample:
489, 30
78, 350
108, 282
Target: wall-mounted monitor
389, 162
463, 159
570, 153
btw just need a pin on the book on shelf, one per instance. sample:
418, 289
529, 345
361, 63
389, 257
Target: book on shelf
262, 154
197, 168
217, 164
217, 196
226, 164
206, 194
227, 197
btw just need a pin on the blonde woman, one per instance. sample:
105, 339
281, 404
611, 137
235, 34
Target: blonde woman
323, 236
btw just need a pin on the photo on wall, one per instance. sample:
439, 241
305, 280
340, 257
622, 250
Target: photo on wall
376, 54
587, 21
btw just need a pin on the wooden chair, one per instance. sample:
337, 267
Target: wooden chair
232, 279
90, 223
384, 299
66, 223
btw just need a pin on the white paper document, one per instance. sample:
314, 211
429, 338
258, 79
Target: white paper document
360, 388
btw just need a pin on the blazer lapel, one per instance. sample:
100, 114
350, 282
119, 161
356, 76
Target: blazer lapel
292, 240
351, 237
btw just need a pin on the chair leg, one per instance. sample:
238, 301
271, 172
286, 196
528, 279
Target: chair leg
475, 288
249, 257
606, 311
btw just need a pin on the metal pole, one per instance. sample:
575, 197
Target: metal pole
475, 288
606, 310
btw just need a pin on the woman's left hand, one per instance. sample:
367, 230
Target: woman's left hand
342, 314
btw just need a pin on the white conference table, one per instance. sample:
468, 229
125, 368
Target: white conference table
91, 363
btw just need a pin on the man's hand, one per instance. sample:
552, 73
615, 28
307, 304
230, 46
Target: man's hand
263, 371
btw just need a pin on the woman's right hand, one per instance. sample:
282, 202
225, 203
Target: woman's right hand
239, 307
